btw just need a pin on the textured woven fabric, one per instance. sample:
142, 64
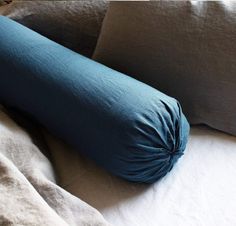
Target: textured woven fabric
183, 48
74, 24
28, 191
129, 128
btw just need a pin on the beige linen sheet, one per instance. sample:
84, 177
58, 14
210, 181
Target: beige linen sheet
29, 194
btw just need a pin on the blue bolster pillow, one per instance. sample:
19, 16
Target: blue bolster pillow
126, 126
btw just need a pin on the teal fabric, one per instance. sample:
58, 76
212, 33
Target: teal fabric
127, 127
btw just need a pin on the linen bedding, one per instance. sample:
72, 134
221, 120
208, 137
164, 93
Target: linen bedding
29, 194
74, 24
200, 191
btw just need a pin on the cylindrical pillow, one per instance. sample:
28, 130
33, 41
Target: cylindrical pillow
129, 128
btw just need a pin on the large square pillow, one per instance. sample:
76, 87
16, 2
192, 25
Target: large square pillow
74, 24
186, 49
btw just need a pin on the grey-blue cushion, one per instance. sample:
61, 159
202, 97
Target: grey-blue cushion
129, 128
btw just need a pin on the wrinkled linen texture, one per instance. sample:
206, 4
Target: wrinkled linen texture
186, 49
28, 191
74, 24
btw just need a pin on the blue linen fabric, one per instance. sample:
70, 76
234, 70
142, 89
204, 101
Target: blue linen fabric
126, 126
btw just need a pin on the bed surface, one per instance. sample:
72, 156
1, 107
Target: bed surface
200, 190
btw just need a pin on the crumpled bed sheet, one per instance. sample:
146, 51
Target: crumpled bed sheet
28, 191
